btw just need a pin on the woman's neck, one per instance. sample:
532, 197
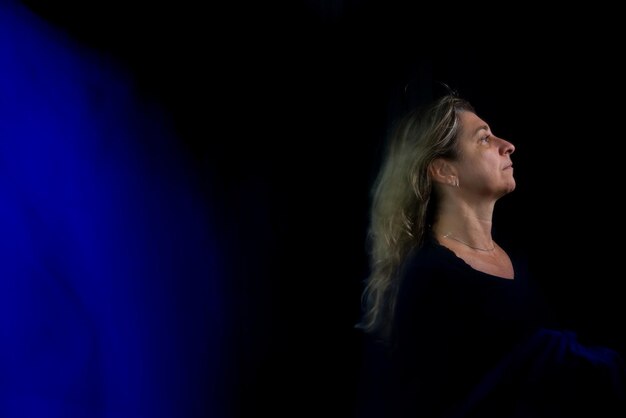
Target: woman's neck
465, 226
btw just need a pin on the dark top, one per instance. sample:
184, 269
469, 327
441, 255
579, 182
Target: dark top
469, 344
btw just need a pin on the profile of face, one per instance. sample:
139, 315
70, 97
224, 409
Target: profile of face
484, 167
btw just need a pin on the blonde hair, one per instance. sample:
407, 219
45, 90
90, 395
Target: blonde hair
403, 204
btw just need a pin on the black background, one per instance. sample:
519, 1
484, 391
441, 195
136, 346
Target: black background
282, 110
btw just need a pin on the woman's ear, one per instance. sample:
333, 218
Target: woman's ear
442, 171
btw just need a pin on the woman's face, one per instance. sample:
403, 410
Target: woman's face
484, 166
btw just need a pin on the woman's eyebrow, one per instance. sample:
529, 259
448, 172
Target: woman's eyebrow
485, 127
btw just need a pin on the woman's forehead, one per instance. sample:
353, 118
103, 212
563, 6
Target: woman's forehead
471, 123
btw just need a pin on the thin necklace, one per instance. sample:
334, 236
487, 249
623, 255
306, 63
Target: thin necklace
450, 236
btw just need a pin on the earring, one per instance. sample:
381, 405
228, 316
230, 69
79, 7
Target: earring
456, 182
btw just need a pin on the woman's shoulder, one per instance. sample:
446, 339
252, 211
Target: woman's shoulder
429, 273
430, 255
433, 260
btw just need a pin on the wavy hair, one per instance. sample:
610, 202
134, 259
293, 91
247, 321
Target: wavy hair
403, 203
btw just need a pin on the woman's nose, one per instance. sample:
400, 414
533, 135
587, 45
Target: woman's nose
506, 146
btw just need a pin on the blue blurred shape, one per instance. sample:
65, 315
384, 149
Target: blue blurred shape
109, 277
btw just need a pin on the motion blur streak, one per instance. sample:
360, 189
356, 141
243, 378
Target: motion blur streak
109, 294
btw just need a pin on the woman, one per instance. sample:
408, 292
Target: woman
456, 314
